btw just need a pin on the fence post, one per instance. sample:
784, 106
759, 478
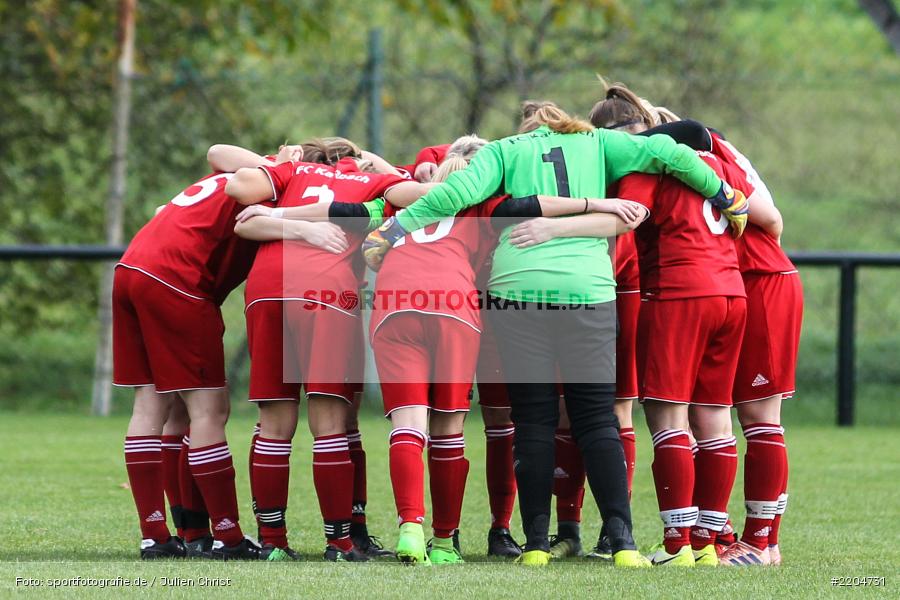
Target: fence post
376, 82
846, 345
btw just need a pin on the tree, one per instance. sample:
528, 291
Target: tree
884, 14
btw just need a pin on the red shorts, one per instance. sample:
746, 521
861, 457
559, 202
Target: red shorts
489, 372
769, 353
295, 342
164, 338
690, 349
425, 360
628, 307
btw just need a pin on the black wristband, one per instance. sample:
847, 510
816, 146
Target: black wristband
350, 216
515, 210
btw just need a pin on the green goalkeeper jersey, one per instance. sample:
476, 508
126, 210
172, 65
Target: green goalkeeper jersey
562, 270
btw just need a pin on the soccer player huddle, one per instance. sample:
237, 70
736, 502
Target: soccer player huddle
566, 271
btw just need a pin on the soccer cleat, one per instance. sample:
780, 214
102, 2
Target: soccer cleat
334, 554
444, 551
411, 545
367, 544
774, 555
534, 558
171, 548
630, 559
602, 551
660, 558
501, 543
565, 547
273, 553
245, 550
706, 556
742, 554
199, 548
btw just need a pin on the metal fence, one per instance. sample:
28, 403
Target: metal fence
847, 262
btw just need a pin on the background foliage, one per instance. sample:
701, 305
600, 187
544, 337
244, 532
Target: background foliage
806, 89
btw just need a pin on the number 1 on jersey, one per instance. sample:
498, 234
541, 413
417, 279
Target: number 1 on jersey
556, 158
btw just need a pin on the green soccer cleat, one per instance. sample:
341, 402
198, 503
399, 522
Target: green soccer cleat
411, 545
273, 553
534, 558
706, 556
630, 559
444, 552
660, 558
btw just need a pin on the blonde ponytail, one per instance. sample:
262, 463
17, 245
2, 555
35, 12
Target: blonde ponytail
453, 162
538, 113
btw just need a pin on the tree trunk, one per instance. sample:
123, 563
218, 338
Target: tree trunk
884, 13
101, 400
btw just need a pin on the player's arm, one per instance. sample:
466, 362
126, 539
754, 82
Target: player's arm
379, 164
228, 159
687, 132
513, 210
350, 216
327, 236
599, 225
766, 215
405, 193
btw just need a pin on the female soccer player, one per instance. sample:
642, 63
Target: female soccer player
771, 339
303, 326
167, 340
557, 155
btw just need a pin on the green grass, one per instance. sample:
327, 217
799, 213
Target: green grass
66, 513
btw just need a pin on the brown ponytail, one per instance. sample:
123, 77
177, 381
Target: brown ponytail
330, 150
621, 108
538, 113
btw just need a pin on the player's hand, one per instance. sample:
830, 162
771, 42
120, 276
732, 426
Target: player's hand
254, 210
378, 242
324, 235
627, 210
734, 205
533, 232
425, 172
288, 154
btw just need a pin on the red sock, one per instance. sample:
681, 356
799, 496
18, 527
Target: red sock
782, 504
408, 474
629, 445
171, 459
673, 474
501, 479
271, 471
194, 516
213, 470
250, 465
333, 478
360, 495
716, 467
447, 469
764, 466
568, 478
143, 461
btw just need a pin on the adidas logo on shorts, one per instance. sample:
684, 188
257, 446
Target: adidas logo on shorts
156, 516
759, 380
225, 524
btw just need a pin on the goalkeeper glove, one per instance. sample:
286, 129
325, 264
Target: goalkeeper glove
378, 242
734, 205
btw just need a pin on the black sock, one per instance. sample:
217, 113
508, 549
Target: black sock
534, 455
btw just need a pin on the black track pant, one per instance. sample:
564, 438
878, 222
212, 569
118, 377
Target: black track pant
534, 340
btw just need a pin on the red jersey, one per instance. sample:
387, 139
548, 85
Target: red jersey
432, 270
758, 252
685, 248
295, 270
432, 154
628, 274
191, 246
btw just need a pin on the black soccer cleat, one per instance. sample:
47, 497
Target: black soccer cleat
602, 551
272, 553
199, 548
567, 541
171, 548
502, 544
367, 544
335, 554
245, 550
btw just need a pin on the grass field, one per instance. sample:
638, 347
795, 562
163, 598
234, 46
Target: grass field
66, 513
